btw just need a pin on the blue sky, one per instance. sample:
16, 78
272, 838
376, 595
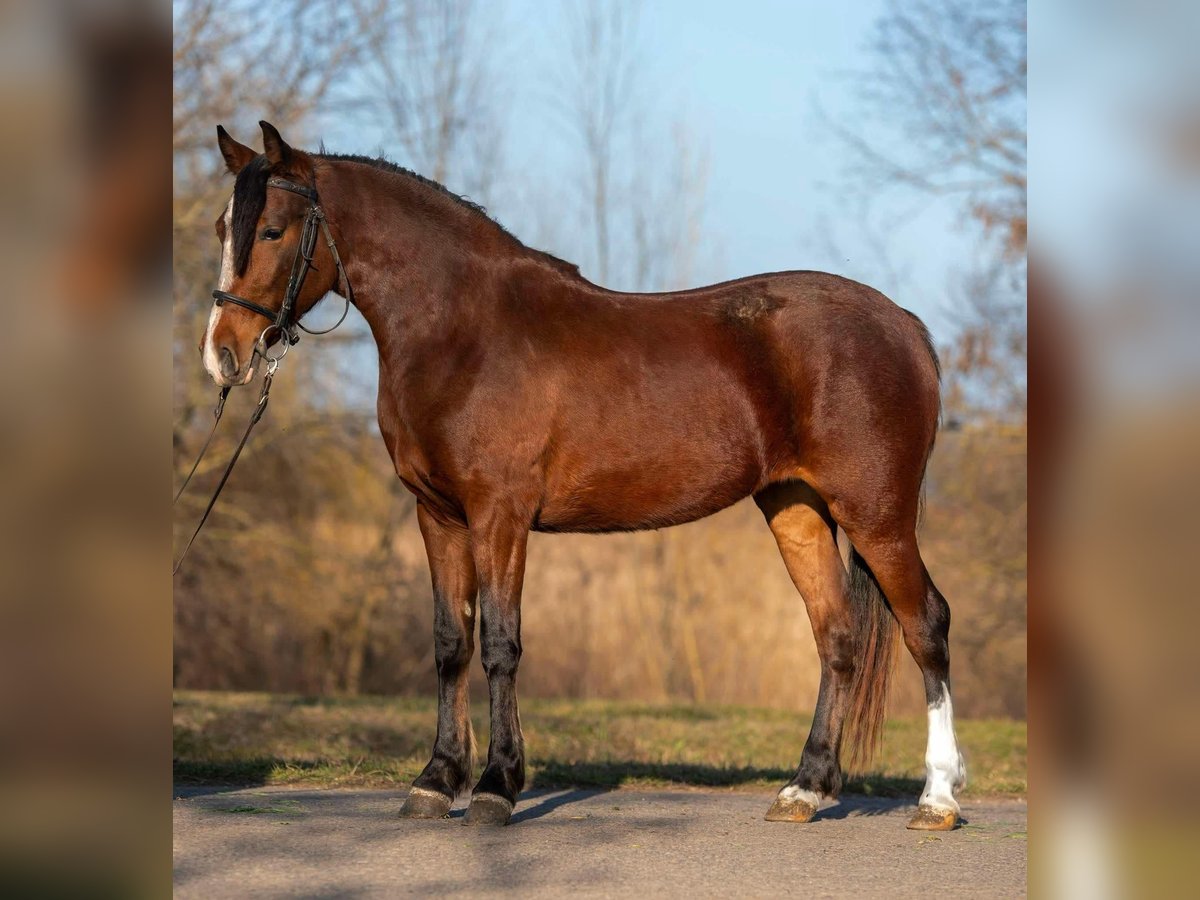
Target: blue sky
748, 79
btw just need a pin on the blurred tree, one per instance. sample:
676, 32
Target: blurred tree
946, 89
602, 40
644, 175
950, 77
986, 362
431, 68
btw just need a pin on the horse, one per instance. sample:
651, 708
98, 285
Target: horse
517, 396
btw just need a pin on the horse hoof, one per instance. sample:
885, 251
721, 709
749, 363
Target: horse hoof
934, 818
794, 808
488, 809
425, 804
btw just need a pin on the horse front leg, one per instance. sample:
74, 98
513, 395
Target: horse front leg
499, 543
455, 586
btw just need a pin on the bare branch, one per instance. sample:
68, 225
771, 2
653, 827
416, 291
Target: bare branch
949, 76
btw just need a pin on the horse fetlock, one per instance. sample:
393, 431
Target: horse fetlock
945, 770
502, 780
449, 775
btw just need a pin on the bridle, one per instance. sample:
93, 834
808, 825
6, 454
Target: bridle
281, 319
282, 324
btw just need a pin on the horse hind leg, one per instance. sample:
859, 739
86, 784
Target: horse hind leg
924, 617
806, 536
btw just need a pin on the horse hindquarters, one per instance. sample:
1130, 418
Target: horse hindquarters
870, 385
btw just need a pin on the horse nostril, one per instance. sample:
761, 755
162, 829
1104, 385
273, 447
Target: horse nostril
229, 366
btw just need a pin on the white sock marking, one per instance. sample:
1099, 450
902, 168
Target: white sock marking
791, 794
945, 771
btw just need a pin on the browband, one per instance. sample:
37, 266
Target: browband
302, 190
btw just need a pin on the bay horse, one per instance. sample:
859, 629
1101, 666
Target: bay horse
517, 396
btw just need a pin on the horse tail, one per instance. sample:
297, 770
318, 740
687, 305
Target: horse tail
875, 639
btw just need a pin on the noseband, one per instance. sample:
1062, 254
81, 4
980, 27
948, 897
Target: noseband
281, 323
281, 319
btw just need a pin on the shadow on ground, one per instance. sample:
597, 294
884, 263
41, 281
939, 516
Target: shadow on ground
540, 802
555, 774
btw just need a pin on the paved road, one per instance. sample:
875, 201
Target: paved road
276, 842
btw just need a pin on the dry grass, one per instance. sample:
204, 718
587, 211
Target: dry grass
245, 738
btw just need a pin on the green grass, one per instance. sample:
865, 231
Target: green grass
258, 739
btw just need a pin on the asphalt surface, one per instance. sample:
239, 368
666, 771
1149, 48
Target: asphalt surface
278, 842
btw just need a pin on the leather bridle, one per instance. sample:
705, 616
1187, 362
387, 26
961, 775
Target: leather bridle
281, 319
283, 323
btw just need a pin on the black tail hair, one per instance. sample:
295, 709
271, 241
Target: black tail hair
875, 632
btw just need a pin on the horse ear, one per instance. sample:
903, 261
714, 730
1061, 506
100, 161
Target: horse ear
236, 155
277, 150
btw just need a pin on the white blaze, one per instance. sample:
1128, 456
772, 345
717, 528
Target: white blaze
945, 772
211, 362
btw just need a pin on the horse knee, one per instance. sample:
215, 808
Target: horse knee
452, 641
452, 652
501, 651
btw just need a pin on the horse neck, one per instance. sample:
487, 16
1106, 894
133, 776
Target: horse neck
408, 253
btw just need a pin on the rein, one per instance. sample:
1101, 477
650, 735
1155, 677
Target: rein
281, 322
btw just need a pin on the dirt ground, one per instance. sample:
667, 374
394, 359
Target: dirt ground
276, 842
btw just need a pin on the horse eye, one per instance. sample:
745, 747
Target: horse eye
271, 234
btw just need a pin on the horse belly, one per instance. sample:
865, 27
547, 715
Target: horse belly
684, 470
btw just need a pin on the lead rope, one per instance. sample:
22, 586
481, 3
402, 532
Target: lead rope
259, 409
216, 421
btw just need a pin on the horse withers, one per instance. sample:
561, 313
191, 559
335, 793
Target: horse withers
516, 396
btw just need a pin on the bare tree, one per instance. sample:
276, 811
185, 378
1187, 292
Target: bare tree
602, 39
664, 204
949, 76
946, 98
237, 61
984, 365
645, 174
430, 68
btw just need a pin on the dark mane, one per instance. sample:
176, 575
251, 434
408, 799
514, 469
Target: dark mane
386, 165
